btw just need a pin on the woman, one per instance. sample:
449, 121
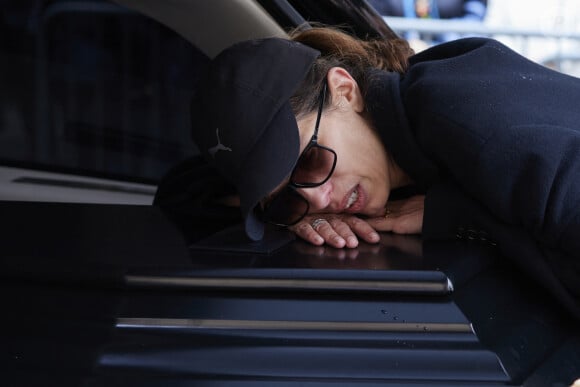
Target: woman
475, 141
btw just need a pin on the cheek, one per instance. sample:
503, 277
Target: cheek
360, 161
359, 151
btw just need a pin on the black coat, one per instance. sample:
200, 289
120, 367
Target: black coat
494, 140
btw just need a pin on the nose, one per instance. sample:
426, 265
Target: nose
318, 197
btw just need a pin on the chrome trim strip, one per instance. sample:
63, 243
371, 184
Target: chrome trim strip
184, 323
293, 284
85, 185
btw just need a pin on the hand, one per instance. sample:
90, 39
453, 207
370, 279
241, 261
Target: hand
402, 216
343, 230
337, 230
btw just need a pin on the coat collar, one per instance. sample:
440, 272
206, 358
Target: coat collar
385, 106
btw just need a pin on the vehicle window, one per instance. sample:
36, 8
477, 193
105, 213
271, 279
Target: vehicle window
93, 88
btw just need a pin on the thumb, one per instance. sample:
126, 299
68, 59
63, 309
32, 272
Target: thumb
382, 223
398, 223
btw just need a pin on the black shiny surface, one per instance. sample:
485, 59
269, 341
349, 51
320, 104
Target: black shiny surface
102, 295
71, 315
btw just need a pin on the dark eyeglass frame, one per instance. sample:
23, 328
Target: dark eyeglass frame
292, 186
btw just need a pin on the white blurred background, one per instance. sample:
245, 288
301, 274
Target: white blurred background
556, 19
547, 32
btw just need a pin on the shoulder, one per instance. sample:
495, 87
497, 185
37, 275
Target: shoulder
474, 64
461, 48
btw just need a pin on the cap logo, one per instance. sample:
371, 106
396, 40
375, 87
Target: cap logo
215, 149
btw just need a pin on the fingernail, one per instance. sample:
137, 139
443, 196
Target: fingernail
340, 241
352, 241
374, 236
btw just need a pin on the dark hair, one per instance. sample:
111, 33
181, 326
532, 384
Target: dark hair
339, 49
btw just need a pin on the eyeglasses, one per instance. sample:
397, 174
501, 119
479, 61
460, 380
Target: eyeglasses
313, 168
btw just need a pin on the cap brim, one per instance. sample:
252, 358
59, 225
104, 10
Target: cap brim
271, 161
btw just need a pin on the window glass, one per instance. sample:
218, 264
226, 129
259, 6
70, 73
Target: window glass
90, 87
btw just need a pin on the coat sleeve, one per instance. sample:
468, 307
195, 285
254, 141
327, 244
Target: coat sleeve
506, 131
527, 177
450, 213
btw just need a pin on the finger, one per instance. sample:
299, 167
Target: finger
329, 234
382, 223
363, 229
344, 230
399, 224
411, 223
305, 231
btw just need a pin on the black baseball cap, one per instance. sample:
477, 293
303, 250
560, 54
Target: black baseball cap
242, 120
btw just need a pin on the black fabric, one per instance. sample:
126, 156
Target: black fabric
504, 133
384, 103
507, 130
450, 214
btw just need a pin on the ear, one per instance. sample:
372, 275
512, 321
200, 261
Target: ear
344, 89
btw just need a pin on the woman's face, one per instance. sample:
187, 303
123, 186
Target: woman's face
364, 174
360, 181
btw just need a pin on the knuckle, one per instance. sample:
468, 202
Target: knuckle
338, 224
334, 221
356, 222
324, 227
360, 224
301, 228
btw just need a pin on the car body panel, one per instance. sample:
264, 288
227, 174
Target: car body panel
139, 304
96, 292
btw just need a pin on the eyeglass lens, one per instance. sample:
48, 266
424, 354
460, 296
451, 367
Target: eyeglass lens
313, 167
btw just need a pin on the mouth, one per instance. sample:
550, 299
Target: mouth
351, 199
354, 201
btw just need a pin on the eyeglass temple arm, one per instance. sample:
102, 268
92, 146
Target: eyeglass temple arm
320, 107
